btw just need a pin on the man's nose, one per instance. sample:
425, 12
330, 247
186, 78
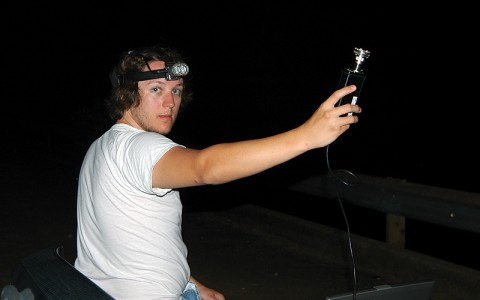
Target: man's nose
169, 100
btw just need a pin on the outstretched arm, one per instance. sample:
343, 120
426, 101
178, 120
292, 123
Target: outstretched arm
181, 167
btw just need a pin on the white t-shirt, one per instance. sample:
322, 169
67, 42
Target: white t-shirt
129, 238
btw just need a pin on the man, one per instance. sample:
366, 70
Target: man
129, 210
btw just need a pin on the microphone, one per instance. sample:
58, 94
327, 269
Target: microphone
354, 76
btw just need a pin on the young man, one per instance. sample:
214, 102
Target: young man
129, 210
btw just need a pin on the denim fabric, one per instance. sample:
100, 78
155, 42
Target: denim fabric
191, 292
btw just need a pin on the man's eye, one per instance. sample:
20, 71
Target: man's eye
156, 90
177, 91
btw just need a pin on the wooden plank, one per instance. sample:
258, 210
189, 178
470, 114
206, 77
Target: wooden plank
446, 207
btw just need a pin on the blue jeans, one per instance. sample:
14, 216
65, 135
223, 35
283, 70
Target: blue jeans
190, 292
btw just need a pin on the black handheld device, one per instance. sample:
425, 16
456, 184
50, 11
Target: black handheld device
354, 76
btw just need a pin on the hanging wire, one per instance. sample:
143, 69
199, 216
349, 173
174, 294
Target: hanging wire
341, 175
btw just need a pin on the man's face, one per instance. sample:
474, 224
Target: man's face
159, 103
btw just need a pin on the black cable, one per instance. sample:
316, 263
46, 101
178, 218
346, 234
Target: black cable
337, 174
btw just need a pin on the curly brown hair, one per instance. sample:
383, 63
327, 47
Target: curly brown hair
126, 95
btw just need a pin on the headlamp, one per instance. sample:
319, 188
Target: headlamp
170, 72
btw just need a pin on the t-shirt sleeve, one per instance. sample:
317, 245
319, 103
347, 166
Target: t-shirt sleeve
143, 152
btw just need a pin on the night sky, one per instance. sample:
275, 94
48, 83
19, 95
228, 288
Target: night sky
257, 69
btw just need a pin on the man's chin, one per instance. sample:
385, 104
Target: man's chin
164, 131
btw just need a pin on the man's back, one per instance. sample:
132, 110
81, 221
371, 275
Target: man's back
129, 234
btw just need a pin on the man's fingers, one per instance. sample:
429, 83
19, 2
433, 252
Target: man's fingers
340, 93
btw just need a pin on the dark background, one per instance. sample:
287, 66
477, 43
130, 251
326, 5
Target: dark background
258, 69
